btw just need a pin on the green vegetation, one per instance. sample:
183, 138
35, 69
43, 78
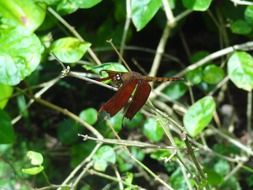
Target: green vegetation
194, 133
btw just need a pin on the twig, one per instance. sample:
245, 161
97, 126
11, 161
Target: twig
194, 159
69, 114
87, 159
160, 50
127, 142
182, 15
245, 46
82, 76
235, 142
182, 167
235, 169
178, 153
47, 86
83, 172
156, 177
93, 172
240, 2
126, 27
219, 85
211, 152
249, 117
121, 187
164, 38
120, 56
52, 186
74, 32
141, 49
168, 13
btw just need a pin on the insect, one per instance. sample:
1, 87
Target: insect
130, 84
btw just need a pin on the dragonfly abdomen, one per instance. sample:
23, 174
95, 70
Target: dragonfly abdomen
161, 79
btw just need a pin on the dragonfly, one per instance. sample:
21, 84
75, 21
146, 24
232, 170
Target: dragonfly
131, 84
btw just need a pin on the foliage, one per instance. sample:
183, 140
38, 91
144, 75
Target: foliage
191, 134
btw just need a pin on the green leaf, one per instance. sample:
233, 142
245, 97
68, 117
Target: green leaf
153, 130
103, 157
22, 105
175, 90
195, 76
241, 27
111, 66
36, 158
20, 54
222, 167
199, 115
177, 180
213, 74
240, 70
198, 56
135, 122
160, 154
86, 4
67, 131
7, 135
226, 149
5, 93
213, 177
248, 14
137, 153
197, 5
81, 151
143, 11
231, 183
116, 121
25, 14
69, 49
123, 162
129, 180
33, 170
89, 115
67, 6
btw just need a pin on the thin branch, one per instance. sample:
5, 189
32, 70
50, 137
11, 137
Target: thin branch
160, 50
240, 2
74, 32
77, 168
127, 142
141, 49
219, 85
164, 38
235, 142
126, 27
82, 76
70, 115
121, 187
80, 176
120, 56
194, 159
168, 12
149, 171
249, 117
93, 172
178, 153
47, 86
245, 46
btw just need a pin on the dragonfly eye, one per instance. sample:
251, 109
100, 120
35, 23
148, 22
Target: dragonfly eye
117, 77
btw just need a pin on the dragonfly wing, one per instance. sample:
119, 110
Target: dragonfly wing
139, 98
120, 99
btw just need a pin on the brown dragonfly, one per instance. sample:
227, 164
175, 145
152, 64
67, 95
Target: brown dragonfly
130, 84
